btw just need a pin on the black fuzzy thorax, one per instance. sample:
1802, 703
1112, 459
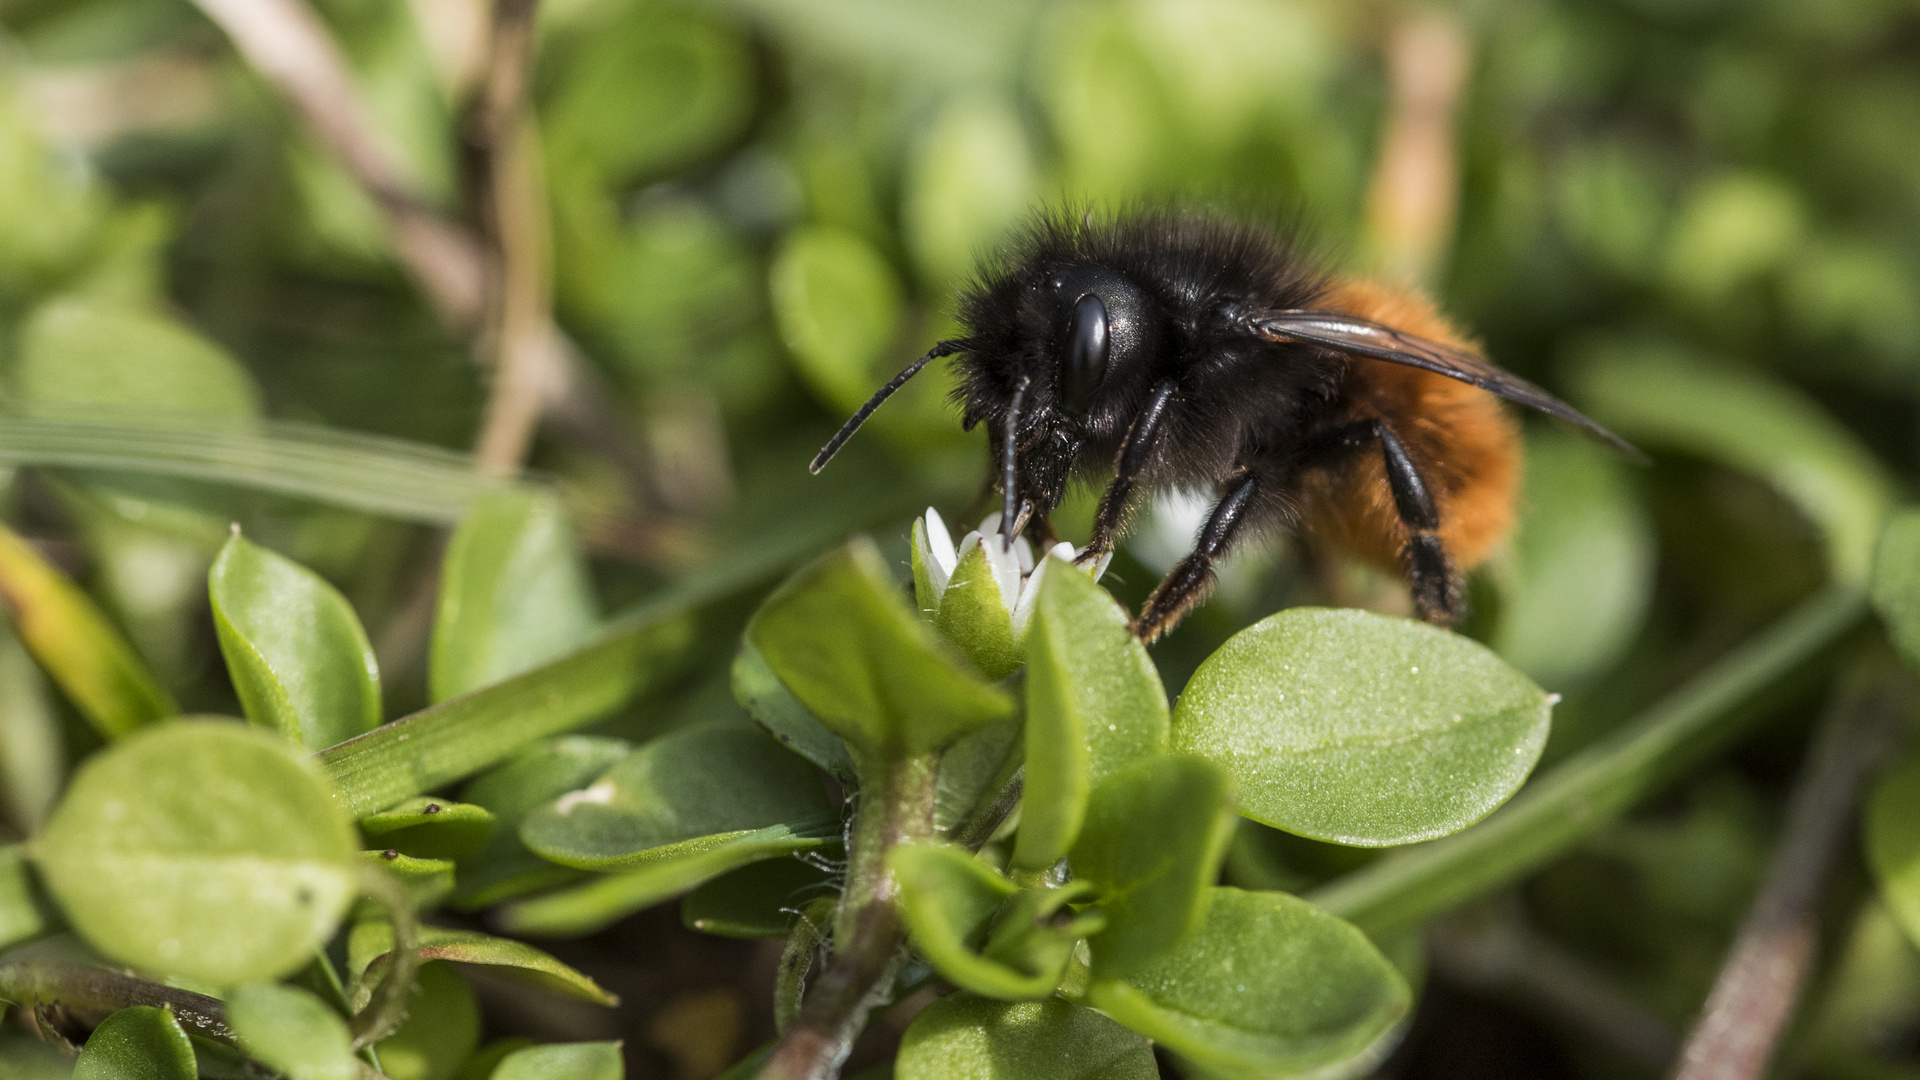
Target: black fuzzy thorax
1199, 277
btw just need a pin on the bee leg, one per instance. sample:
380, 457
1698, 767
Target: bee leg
1436, 591
1187, 583
1126, 472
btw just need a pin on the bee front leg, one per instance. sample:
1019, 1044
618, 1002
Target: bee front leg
1127, 468
1186, 584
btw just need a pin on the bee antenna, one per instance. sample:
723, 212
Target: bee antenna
1009, 463
945, 348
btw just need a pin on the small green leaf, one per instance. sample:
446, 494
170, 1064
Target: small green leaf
201, 848
1583, 563
22, 914
976, 768
1362, 729
33, 751
845, 642
970, 180
757, 901
513, 593
661, 873
370, 943
982, 1039
1154, 837
836, 303
1094, 705
428, 881
976, 613
430, 828
81, 353
1893, 842
949, 898
1231, 998
504, 867
705, 783
140, 1043
440, 1032
773, 706
73, 641
1896, 584
300, 662
292, 1031
563, 1061
486, 1059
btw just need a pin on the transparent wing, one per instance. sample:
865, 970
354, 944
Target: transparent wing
1364, 337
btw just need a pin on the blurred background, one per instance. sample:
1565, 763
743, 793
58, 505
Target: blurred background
658, 250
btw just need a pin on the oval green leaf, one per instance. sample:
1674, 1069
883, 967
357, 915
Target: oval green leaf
201, 848
441, 1030
1154, 837
1892, 835
292, 1031
949, 898
1896, 584
982, 1039
300, 661
836, 303
703, 783
513, 593
1231, 998
76, 644
140, 1043
81, 353
429, 828
1361, 729
503, 867
1094, 705
563, 1061
845, 641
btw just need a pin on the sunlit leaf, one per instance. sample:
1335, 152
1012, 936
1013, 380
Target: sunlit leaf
983, 1039
1230, 999
1361, 729
74, 642
370, 944
440, 1032
430, 828
82, 353
563, 1061
844, 640
970, 180
202, 848
138, 1043
32, 749
1896, 584
513, 594
835, 301
428, 881
292, 1031
299, 659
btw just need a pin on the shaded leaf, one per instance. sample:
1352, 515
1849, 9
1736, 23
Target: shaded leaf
428, 881
201, 848
370, 944
33, 752
292, 1031
1362, 729
1154, 837
1892, 837
846, 643
977, 767
1896, 584
430, 828
82, 353
440, 1032
757, 901
563, 1061
536, 776
139, 1043
697, 785
300, 661
948, 899
1094, 705
22, 913
773, 706
1230, 998
96, 668
513, 593
983, 1039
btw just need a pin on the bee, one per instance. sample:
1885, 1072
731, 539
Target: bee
1180, 348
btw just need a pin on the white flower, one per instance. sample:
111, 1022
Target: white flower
1014, 572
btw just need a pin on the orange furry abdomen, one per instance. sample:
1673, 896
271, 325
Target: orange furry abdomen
1459, 437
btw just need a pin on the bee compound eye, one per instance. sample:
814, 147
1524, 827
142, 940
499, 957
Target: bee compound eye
1088, 342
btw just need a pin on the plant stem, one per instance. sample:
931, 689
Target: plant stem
868, 932
1760, 983
388, 1006
1597, 785
93, 993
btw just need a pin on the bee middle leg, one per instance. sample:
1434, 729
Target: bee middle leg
1187, 583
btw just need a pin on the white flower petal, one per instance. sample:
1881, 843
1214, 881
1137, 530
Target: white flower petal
1025, 551
1100, 565
1029, 598
940, 543
1006, 568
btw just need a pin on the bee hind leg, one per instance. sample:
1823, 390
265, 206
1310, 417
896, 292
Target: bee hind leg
1430, 576
1188, 583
